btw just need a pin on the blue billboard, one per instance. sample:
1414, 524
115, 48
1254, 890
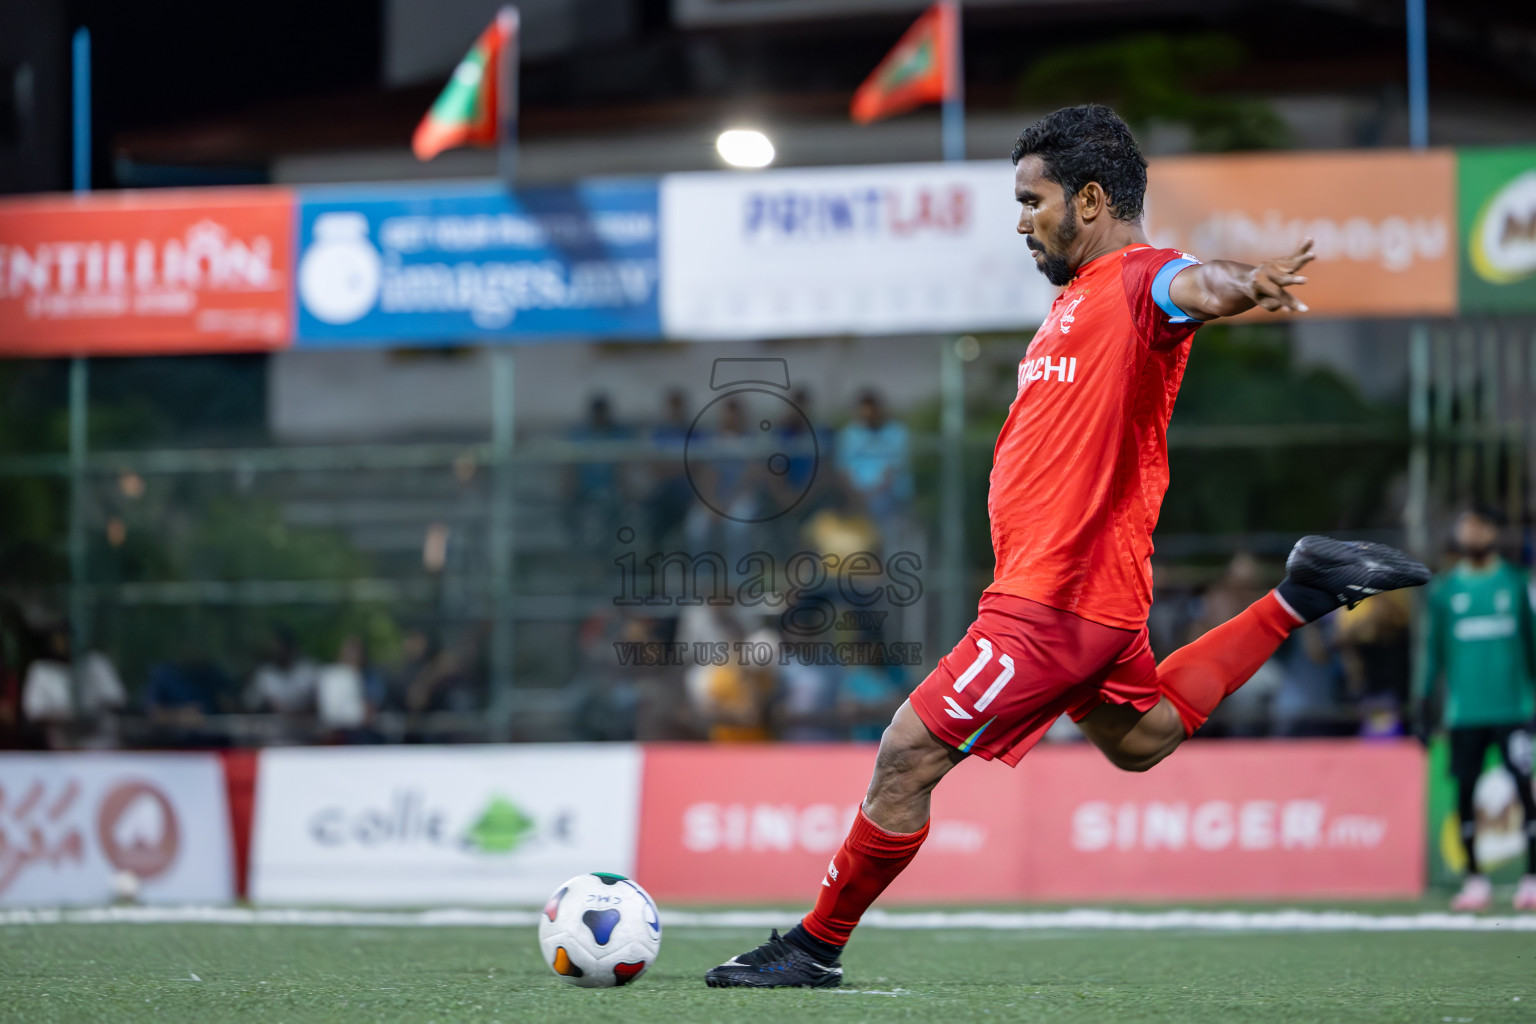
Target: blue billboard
446, 263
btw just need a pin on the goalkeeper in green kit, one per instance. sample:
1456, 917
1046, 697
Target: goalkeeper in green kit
1480, 640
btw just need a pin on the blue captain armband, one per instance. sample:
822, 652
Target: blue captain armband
1160, 294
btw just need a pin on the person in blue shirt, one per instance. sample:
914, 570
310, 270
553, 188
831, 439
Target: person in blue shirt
874, 454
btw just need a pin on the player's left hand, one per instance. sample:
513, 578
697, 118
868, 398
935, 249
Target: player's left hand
1272, 278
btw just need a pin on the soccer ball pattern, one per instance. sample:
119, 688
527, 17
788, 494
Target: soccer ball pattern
599, 930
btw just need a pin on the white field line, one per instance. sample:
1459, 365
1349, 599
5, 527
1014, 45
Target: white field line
989, 920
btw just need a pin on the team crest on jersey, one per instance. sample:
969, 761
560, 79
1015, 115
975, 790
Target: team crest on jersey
1068, 315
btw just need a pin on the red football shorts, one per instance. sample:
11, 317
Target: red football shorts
1021, 666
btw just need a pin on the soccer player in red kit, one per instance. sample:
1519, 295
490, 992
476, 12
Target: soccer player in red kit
1078, 478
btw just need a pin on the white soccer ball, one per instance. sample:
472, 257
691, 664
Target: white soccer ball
599, 930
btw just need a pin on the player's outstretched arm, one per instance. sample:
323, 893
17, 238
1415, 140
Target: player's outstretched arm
1224, 288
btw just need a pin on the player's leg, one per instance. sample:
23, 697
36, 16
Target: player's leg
1515, 745
1321, 574
1134, 740
891, 824
889, 829
1468, 748
1019, 666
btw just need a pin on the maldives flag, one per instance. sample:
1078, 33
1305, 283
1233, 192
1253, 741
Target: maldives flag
468, 111
921, 69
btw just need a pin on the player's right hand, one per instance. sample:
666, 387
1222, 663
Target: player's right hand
1273, 278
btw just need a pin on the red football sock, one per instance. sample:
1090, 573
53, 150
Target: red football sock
868, 861
1197, 677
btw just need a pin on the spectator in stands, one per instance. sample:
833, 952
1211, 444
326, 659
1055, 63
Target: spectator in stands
875, 457
670, 497
1373, 644
840, 527
18, 647
730, 698
1246, 712
868, 695
349, 691
74, 699
595, 494
285, 683
729, 473
806, 704
442, 678
1307, 702
656, 695
180, 696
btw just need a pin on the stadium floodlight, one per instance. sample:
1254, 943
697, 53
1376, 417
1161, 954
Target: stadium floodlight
745, 147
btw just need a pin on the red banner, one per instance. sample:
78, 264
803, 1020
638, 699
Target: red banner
1228, 820
762, 822
1217, 820
136, 272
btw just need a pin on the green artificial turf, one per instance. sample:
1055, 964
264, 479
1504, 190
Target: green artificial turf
125, 973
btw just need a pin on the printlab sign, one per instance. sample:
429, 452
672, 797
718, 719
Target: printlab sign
857, 250
477, 262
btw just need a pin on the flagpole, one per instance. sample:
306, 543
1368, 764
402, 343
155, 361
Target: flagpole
79, 379
953, 126
1418, 77
503, 421
506, 87
952, 600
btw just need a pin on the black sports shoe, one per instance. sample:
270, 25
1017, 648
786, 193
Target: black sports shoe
775, 964
1349, 571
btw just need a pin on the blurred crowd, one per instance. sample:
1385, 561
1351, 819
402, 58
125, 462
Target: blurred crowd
805, 662
1346, 675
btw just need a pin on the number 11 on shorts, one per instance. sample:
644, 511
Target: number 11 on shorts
983, 657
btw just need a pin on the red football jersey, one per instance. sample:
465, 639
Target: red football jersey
1081, 464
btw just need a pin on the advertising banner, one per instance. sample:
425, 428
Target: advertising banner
1228, 820
1383, 224
448, 263
1496, 201
1499, 820
81, 828
849, 250
705, 837
1217, 820
422, 825
170, 271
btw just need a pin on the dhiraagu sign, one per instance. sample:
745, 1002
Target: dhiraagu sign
1497, 212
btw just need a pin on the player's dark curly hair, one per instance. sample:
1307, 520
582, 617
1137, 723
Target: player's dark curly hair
1089, 143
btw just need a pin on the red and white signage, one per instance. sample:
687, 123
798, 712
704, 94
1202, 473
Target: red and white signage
1216, 820
138, 272
708, 832
1227, 820
73, 827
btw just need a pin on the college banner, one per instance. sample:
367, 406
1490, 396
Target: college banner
1383, 223
423, 825
704, 836
1496, 203
85, 828
453, 263
1228, 820
166, 272
850, 250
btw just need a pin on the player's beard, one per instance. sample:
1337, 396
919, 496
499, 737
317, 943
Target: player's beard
1054, 265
